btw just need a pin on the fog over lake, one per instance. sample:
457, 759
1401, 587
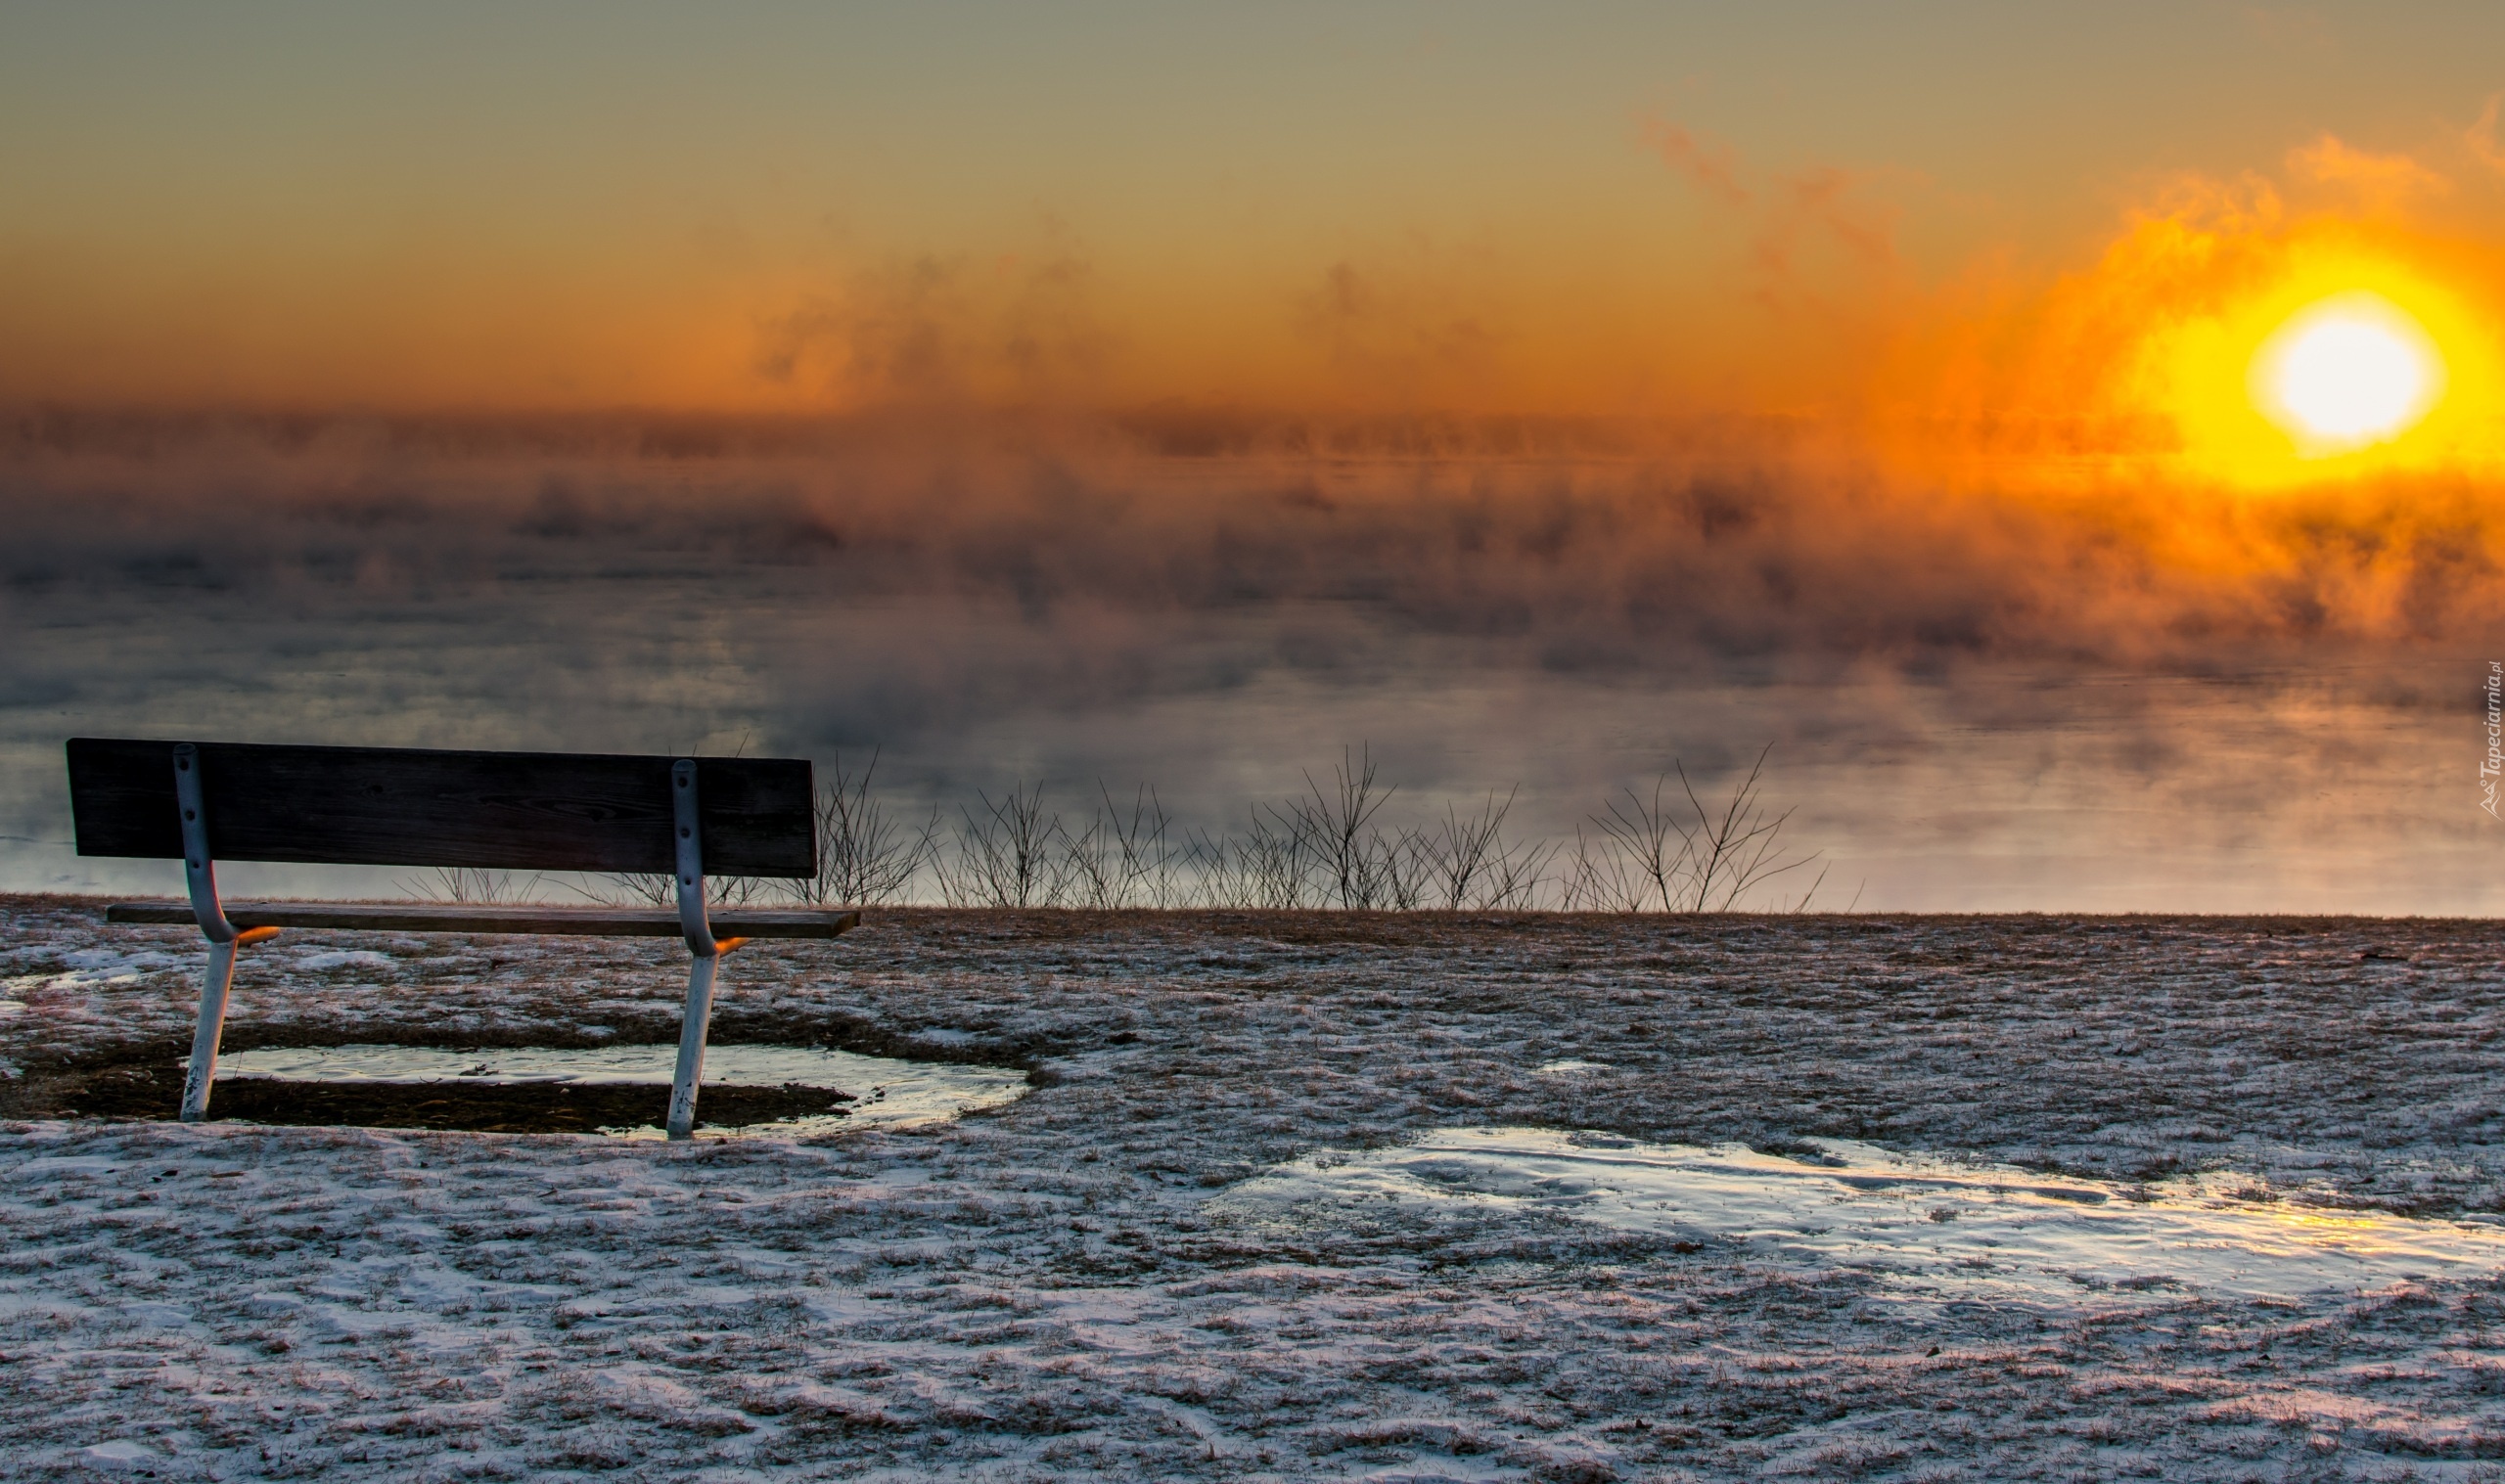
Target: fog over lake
1973, 705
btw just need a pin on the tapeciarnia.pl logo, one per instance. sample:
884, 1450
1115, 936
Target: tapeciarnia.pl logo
2494, 763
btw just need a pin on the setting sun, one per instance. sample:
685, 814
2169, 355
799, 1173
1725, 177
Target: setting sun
2279, 359
2346, 373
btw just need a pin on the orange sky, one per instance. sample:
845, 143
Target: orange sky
1997, 236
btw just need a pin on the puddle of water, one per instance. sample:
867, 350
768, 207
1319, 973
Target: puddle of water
1931, 1229
890, 1092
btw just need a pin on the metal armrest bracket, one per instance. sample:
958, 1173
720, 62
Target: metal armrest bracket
199, 874
687, 832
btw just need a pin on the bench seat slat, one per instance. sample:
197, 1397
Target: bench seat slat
456, 917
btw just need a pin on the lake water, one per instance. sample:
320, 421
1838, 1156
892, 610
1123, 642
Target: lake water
1949, 737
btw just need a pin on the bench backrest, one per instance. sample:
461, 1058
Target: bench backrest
409, 806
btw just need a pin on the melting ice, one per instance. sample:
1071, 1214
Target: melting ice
1926, 1228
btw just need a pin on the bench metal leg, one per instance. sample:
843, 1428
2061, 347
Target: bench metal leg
691, 1045
205, 1035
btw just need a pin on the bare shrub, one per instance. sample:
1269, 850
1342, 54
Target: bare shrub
1335, 826
1145, 850
1217, 867
743, 890
1006, 856
1270, 866
1278, 859
1472, 865
1598, 879
1088, 872
651, 888
1664, 850
1738, 849
1650, 871
866, 856
1718, 857
471, 884
1515, 875
1401, 869
642, 889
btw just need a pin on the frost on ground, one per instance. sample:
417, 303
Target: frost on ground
1246, 1223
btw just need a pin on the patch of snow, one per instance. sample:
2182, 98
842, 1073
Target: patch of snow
109, 959
1926, 1228
158, 1316
342, 958
57, 1165
891, 1093
90, 969
1569, 1066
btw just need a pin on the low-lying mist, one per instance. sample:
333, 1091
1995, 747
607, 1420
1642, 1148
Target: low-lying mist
2119, 696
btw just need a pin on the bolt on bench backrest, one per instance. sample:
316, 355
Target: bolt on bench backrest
407, 807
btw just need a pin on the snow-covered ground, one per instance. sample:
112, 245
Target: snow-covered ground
1306, 1196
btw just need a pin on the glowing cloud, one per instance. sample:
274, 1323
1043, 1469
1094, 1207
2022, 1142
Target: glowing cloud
2226, 341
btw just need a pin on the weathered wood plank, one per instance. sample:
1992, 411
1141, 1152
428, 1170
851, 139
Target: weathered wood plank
457, 916
407, 807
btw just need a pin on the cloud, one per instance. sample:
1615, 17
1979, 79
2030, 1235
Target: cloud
2378, 180
1709, 163
2480, 136
931, 330
1412, 329
1821, 209
1814, 237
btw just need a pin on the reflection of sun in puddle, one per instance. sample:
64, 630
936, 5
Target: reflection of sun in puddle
890, 1092
1944, 1231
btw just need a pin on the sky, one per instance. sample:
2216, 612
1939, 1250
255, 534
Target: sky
1592, 210
2067, 434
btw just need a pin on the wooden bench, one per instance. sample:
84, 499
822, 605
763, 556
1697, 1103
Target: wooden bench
202, 802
